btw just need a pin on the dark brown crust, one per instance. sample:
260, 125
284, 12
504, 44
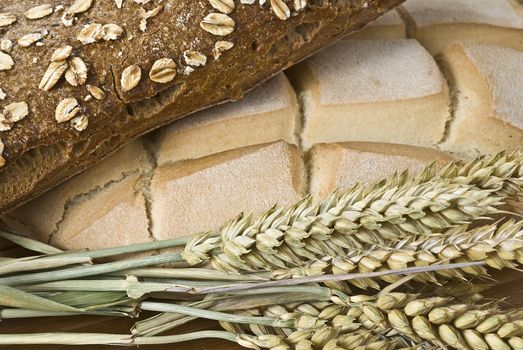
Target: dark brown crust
41, 153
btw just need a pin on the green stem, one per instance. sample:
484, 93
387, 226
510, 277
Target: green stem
78, 286
214, 315
131, 287
29, 243
87, 271
66, 339
332, 278
108, 339
34, 263
133, 248
16, 298
164, 322
171, 339
194, 273
22, 313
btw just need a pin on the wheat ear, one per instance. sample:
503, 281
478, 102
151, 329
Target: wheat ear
339, 330
322, 339
435, 200
433, 322
498, 245
442, 322
502, 172
325, 337
354, 220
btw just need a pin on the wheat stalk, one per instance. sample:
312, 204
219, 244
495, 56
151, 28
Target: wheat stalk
498, 245
436, 199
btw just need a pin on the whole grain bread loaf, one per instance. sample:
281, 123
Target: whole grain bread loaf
80, 78
358, 111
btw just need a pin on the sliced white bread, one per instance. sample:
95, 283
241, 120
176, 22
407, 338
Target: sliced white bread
103, 206
202, 194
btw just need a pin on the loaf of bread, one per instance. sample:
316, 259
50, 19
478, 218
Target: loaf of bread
487, 89
193, 175
354, 86
80, 78
436, 24
266, 114
157, 186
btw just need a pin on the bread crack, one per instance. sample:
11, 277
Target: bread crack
81, 197
298, 134
114, 86
407, 19
145, 185
453, 99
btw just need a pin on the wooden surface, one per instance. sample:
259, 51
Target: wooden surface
510, 286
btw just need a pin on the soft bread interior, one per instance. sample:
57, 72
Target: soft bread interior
436, 24
488, 95
266, 114
342, 165
353, 86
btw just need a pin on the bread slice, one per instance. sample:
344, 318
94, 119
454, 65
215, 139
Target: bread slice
388, 26
436, 24
202, 194
488, 98
342, 165
373, 90
70, 212
268, 113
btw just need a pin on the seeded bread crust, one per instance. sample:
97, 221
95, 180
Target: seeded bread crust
40, 152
